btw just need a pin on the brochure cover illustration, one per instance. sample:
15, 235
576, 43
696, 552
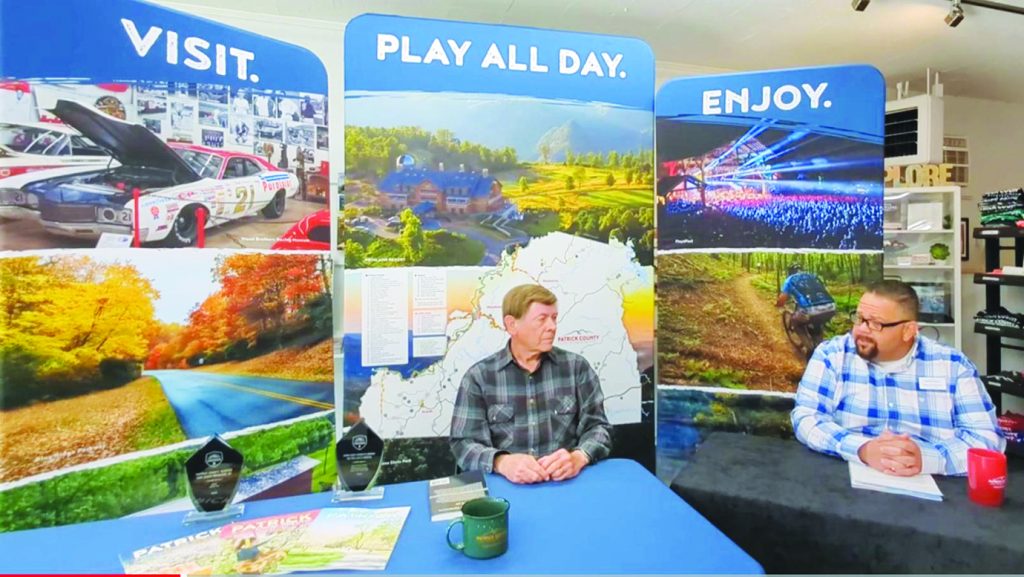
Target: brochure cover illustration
317, 540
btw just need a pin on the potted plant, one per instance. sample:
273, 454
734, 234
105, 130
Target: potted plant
940, 252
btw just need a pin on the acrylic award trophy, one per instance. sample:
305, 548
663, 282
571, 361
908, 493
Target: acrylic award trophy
358, 454
213, 474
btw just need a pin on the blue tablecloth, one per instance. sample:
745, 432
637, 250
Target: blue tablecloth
614, 518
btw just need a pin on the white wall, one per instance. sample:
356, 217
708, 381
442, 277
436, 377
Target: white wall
665, 71
995, 136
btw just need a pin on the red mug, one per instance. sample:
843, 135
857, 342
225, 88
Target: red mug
986, 477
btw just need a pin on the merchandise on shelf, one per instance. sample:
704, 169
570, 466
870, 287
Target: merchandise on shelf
1012, 270
1012, 425
1004, 207
1005, 379
1000, 317
996, 322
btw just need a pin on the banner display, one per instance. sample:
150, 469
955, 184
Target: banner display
126, 126
478, 158
769, 200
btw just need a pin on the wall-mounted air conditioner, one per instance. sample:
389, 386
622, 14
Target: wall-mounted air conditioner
913, 130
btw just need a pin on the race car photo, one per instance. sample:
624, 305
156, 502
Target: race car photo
175, 182
39, 146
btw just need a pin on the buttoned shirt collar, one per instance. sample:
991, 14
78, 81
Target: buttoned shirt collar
505, 357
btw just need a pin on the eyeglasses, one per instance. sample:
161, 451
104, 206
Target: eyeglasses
874, 326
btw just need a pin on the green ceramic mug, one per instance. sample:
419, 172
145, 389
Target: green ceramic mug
484, 528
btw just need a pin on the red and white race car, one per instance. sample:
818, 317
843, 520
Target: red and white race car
313, 232
174, 182
41, 146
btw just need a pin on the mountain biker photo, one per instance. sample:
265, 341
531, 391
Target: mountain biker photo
815, 307
719, 314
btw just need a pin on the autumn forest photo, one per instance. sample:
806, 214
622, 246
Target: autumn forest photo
111, 353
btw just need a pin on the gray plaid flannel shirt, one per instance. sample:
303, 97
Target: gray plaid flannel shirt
501, 408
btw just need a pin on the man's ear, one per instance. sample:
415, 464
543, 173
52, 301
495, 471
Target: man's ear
910, 331
510, 324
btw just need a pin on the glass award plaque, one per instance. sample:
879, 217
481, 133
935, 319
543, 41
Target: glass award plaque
213, 474
359, 455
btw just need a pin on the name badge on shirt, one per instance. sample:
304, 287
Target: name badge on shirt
932, 384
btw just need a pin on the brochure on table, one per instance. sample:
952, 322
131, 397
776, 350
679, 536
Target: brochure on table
317, 540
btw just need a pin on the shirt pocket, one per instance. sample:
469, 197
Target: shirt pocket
565, 405
501, 418
564, 420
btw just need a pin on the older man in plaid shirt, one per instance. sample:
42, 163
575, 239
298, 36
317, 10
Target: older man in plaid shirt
889, 398
531, 412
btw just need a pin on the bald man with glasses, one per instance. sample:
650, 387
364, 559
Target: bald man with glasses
892, 399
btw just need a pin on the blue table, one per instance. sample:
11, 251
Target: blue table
614, 518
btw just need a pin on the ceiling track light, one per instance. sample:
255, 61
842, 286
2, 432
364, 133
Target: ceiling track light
956, 14
995, 6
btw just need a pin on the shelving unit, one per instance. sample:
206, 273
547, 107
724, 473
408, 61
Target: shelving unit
1011, 389
938, 282
998, 279
994, 336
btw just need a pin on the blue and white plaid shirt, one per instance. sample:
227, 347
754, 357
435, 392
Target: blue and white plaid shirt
937, 398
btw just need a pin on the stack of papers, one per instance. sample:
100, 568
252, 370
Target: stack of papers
920, 486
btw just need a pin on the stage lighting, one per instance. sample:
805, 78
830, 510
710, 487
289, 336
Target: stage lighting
956, 15
860, 5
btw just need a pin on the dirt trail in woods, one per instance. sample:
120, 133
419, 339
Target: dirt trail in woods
738, 328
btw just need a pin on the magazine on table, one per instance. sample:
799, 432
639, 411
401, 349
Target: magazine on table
318, 540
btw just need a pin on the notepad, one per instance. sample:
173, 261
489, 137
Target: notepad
920, 486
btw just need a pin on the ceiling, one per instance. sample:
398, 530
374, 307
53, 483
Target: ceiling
982, 58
